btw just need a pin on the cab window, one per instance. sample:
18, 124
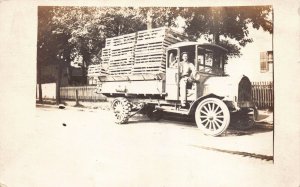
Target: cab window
210, 61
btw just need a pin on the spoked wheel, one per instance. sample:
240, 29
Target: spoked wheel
121, 108
212, 116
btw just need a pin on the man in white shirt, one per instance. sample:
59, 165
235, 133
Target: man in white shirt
186, 69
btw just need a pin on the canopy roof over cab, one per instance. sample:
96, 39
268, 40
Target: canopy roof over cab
203, 45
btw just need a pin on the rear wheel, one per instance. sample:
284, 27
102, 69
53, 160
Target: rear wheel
121, 108
212, 116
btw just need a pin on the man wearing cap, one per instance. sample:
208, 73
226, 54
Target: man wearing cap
186, 69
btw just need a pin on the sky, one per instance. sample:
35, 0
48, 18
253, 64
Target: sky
249, 63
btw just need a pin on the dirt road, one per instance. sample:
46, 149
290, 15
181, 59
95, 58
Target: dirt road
83, 147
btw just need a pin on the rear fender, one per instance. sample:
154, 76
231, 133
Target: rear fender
196, 102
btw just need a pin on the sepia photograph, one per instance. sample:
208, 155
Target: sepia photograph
148, 96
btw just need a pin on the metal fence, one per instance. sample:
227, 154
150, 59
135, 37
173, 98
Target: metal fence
263, 94
85, 93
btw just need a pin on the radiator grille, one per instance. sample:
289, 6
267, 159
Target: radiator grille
245, 90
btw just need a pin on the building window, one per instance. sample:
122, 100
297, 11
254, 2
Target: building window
264, 66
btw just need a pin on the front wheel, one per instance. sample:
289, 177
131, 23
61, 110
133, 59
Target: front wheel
212, 116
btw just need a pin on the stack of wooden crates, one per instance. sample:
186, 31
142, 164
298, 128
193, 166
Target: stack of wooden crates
150, 50
139, 53
94, 71
121, 58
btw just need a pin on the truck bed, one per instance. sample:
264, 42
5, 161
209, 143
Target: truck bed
142, 84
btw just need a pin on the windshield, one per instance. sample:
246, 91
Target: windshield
210, 61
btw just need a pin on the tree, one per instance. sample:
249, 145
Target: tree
52, 46
64, 33
159, 16
222, 25
43, 44
88, 27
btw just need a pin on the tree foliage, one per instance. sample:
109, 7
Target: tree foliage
65, 33
222, 24
88, 27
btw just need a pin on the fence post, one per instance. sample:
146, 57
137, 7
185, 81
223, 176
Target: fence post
76, 97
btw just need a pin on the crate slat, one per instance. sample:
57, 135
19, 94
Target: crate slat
143, 49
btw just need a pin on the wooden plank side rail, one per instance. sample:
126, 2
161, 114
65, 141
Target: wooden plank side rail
85, 93
263, 94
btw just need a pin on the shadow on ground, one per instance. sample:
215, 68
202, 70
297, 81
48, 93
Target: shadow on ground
240, 153
184, 121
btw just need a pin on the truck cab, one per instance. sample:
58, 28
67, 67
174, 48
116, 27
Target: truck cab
208, 60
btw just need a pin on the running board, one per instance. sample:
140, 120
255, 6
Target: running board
171, 109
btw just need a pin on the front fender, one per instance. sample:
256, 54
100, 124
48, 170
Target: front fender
197, 101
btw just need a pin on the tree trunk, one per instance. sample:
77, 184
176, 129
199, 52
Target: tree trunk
149, 19
216, 57
83, 74
216, 38
39, 81
58, 82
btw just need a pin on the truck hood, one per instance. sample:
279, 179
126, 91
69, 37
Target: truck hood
227, 87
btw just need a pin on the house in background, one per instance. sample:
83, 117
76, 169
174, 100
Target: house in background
71, 76
75, 76
49, 75
266, 62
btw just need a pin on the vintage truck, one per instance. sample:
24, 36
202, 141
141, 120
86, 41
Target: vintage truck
215, 99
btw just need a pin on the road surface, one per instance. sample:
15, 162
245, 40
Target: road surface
83, 147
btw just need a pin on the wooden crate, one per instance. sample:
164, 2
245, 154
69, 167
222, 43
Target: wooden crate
143, 51
96, 70
158, 34
122, 54
120, 66
145, 70
128, 51
122, 40
105, 55
145, 48
155, 57
151, 34
108, 42
105, 52
150, 50
120, 72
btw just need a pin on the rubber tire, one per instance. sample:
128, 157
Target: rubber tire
216, 111
121, 108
